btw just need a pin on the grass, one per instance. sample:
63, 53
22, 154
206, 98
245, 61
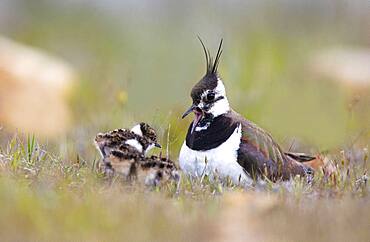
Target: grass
50, 190
45, 197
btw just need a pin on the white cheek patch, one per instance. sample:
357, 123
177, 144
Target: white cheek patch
220, 89
221, 106
137, 130
134, 143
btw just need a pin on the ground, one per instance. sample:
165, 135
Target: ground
46, 198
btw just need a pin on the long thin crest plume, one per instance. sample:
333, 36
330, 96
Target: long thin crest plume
217, 59
211, 66
207, 54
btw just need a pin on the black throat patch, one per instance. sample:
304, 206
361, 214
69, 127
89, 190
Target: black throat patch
219, 130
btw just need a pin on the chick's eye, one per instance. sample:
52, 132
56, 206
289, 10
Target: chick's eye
210, 96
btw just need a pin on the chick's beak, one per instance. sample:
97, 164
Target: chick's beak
157, 145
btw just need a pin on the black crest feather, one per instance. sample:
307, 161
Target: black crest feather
210, 64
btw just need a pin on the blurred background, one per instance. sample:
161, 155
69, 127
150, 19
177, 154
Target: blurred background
69, 69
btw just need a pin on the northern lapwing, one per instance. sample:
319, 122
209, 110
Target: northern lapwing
151, 171
124, 152
220, 141
141, 137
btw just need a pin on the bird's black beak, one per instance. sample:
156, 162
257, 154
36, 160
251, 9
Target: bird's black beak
198, 115
192, 107
157, 145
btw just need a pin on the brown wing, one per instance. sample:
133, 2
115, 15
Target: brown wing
260, 155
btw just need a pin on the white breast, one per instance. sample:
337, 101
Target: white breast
221, 160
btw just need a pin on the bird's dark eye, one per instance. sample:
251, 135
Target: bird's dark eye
210, 96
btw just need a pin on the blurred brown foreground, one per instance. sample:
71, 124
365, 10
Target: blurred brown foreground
34, 87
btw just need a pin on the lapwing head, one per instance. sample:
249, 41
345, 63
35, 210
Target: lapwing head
148, 134
209, 96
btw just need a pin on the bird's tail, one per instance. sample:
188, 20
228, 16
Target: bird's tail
315, 162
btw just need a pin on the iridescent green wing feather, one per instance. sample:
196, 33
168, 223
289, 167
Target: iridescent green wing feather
262, 142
